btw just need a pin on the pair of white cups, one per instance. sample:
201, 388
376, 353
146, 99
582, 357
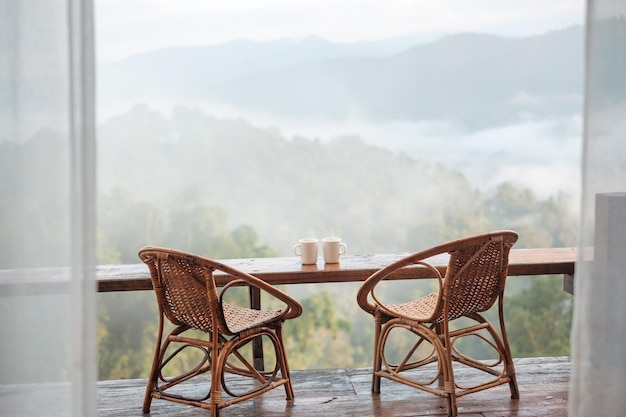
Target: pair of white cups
332, 247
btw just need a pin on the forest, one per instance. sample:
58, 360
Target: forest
223, 188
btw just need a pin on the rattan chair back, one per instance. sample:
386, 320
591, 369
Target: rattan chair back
476, 274
184, 287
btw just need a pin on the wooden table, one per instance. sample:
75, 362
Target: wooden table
280, 271
352, 268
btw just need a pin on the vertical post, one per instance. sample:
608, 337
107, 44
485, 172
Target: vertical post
568, 283
257, 344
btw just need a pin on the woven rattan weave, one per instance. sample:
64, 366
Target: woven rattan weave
221, 332
470, 285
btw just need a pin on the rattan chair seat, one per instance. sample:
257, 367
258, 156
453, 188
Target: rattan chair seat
418, 310
239, 318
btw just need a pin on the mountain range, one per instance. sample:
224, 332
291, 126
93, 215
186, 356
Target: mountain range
471, 80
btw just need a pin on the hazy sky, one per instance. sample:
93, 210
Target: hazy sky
126, 27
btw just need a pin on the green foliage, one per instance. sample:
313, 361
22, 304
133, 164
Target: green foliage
272, 183
548, 223
313, 340
127, 328
125, 224
225, 189
539, 319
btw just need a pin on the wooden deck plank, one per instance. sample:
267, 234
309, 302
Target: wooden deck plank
543, 384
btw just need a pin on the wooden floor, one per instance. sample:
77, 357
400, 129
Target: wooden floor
543, 384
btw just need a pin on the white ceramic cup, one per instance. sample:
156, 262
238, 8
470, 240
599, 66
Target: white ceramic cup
306, 249
332, 248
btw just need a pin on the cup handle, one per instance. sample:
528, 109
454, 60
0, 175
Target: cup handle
345, 248
297, 250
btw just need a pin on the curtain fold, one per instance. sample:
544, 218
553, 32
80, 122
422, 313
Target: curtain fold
47, 208
599, 329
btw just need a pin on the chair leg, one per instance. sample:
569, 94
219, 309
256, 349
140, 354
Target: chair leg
147, 399
156, 364
513, 386
439, 331
508, 357
510, 370
284, 365
377, 354
443, 345
452, 410
219, 357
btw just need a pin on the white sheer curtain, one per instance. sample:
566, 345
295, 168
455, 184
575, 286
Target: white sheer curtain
47, 210
599, 330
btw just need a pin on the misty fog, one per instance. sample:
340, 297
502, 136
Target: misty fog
540, 154
493, 109
515, 118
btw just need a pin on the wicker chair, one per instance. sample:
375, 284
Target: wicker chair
474, 279
188, 297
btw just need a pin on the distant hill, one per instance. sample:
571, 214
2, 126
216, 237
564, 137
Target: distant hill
471, 80
183, 71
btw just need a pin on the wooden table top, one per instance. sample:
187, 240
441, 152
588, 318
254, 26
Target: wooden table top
282, 270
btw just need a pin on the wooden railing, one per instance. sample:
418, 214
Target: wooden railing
281, 271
